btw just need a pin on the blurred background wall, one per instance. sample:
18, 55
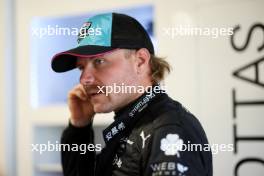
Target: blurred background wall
2, 119
229, 107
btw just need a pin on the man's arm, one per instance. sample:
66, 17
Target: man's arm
77, 163
78, 134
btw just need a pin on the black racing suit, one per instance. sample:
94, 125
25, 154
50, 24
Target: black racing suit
149, 137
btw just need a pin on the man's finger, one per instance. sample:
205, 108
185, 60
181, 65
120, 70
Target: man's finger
79, 93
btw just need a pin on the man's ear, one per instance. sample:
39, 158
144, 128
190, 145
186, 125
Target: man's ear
142, 60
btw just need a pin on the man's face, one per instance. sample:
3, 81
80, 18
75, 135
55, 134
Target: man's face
107, 70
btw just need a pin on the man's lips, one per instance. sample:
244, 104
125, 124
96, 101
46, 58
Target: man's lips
93, 90
94, 94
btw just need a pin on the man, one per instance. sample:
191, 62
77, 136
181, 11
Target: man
150, 129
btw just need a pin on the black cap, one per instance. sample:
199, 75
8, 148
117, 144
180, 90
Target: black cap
101, 34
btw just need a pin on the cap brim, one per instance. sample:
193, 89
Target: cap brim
66, 60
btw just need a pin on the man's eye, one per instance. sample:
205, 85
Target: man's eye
98, 61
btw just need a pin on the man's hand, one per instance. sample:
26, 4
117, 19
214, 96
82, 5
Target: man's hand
80, 106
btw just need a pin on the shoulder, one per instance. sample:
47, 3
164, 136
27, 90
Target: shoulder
171, 117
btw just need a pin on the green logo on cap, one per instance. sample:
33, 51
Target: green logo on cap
84, 31
96, 31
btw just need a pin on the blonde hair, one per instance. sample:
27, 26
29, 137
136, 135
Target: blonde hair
158, 66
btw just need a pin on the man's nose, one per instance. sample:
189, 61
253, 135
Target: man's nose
87, 77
